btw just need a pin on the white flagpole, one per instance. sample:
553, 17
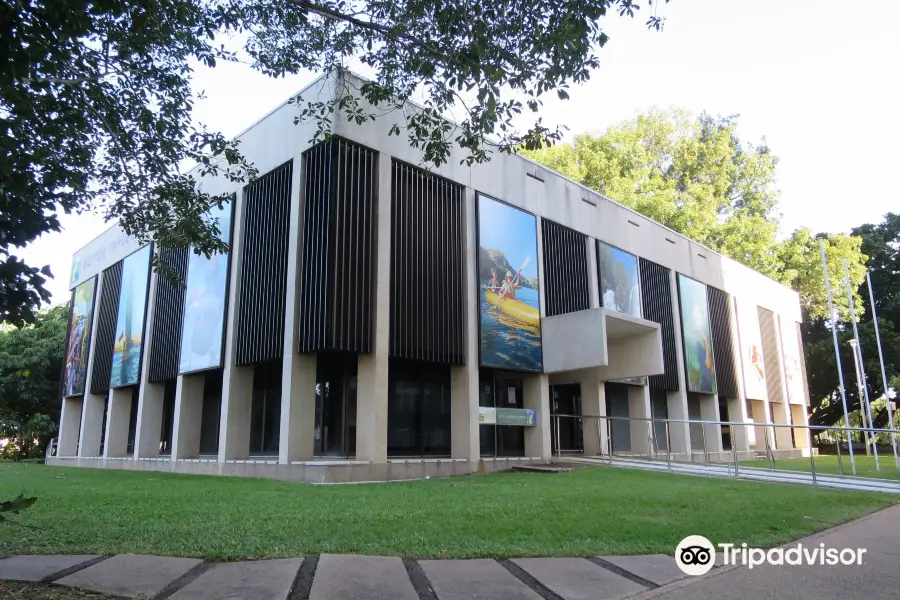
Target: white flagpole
884, 380
837, 353
867, 407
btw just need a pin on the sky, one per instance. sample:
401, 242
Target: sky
815, 78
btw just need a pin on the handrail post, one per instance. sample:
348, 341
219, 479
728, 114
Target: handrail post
812, 455
558, 442
837, 444
734, 452
609, 440
668, 447
703, 437
769, 456
650, 439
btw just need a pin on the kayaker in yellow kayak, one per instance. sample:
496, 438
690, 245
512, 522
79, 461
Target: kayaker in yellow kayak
510, 285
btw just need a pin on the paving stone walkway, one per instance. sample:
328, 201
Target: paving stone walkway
350, 577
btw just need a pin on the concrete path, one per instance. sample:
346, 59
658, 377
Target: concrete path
350, 577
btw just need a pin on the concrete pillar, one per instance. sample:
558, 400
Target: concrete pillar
69, 424
298, 372
679, 433
118, 415
237, 382
91, 427
593, 404
781, 415
761, 418
372, 369
639, 408
464, 428
798, 417
536, 392
740, 436
188, 414
151, 397
593, 280
737, 407
709, 411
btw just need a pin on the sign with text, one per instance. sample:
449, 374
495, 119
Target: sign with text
520, 417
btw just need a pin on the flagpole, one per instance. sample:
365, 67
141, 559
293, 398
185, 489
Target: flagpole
837, 354
884, 380
862, 366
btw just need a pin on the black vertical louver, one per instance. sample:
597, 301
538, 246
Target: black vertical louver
264, 258
337, 282
656, 300
771, 355
107, 311
565, 269
428, 289
165, 339
722, 341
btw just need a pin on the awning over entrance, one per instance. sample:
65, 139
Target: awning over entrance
617, 344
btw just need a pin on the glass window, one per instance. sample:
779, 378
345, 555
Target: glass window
418, 409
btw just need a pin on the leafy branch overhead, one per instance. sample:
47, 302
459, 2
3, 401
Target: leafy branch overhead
96, 108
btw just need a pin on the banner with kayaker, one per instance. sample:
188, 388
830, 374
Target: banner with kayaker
204, 303
508, 282
698, 351
620, 287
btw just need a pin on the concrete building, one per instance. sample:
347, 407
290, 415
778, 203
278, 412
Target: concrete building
374, 321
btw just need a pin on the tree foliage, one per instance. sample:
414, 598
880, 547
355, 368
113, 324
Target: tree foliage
695, 175
96, 105
881, 243
31, 360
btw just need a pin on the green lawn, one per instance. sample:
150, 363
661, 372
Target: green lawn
591, 511
865, 465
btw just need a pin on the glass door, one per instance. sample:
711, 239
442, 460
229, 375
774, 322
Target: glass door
335, 433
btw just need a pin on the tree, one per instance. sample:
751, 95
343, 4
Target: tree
881, 243
695, 175
96, 107
31, 360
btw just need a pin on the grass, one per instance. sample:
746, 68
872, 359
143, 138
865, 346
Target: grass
591, 511
11, 590
865, 465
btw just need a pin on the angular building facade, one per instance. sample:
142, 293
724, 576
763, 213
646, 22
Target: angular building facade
374, 320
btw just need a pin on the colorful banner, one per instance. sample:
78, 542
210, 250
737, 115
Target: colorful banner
79, 340
793, 371
698, 352
204, 303
620, 287
126, 359
508, 278
752, 362
517, 417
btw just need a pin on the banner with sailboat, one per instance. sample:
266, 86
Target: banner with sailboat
510, 313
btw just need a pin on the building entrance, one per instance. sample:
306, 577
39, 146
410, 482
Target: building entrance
335, 433
501, 390
566, 400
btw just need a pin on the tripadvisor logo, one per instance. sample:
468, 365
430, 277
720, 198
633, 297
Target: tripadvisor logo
696, 555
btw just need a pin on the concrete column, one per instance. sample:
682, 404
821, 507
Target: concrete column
69, 424
639, 408
593, 404
798, 417
151, 397
536, 391
781, 412
464, 428
91, 427
740, 436
679, 433
118, 415
237, 382
188, 414
760, 416
298, 372
593, 280
737, 407
709, 411
372, 369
